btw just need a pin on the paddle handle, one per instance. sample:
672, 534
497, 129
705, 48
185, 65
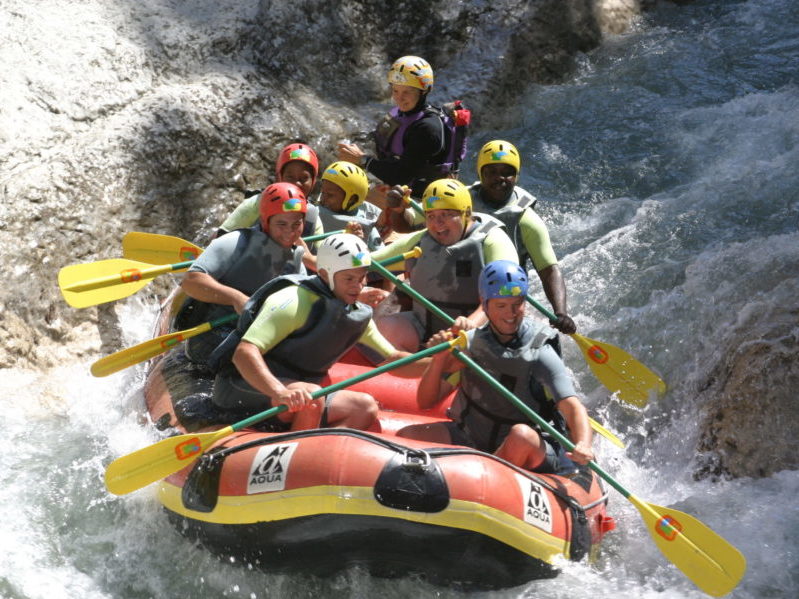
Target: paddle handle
525, 409
351, 381
312, 238
541, 308
413, 293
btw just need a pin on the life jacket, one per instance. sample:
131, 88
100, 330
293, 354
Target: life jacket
448, 275
510, 213
365, 215
331, 329
257, 259
454, 119
484, 414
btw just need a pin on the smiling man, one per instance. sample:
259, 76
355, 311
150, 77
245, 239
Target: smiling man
515, 350
236, 264
294, 329
455, 246
496, 193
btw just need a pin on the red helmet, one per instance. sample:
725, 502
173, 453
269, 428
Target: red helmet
301, 152
281, 198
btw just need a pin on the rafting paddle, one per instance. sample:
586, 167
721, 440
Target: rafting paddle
615, 368
93, 283
147, 350
155, 248
447, 318
153, 347
709, 560
150, 464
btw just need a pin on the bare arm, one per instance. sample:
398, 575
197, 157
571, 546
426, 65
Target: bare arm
579, 429
555, 290
251, 365
433, 388
204, 287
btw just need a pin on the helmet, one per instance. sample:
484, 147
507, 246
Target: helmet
281, 198
341, 252
502, 279
413, 71
447, 194
351, 179
498, 152
297, 151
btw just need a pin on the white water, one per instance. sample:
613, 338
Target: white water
668, 171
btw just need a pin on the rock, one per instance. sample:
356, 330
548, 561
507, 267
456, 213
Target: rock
751, 413
155, 115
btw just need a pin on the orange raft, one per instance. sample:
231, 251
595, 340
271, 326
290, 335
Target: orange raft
322, 500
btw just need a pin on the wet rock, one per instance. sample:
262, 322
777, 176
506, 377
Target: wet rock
156, 115
751, 413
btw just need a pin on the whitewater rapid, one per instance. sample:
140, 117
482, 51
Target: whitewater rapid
667, 170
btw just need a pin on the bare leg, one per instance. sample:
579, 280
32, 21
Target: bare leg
399, 332
435, 432
352, 409
523, 447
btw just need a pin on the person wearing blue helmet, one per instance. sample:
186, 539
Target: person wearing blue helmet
516, 350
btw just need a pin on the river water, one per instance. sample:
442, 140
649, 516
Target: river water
667, 169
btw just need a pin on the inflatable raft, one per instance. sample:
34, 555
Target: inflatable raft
322, 500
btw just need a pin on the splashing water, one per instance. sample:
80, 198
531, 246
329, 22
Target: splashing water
666, 168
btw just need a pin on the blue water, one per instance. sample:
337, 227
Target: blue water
666, 167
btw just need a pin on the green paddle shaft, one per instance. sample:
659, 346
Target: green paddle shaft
706, 558
312, 238
155, 462
357, 379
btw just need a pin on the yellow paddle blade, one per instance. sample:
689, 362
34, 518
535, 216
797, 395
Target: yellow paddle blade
144, 351
598, 428
154, 248
73, 279
713, 564
157, 461
620, 372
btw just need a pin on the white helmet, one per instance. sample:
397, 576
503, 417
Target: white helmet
342, 252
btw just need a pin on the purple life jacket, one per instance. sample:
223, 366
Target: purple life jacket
454, 118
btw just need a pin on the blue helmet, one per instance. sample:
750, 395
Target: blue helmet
502, 279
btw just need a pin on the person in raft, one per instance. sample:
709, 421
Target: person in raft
411, 141
496, 193
342, 203
235, 265
292, 332
514, 349
455, 246
297, 163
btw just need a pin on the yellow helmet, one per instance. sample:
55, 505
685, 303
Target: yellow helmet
447, 194
351, 179
498, 152
413, 71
